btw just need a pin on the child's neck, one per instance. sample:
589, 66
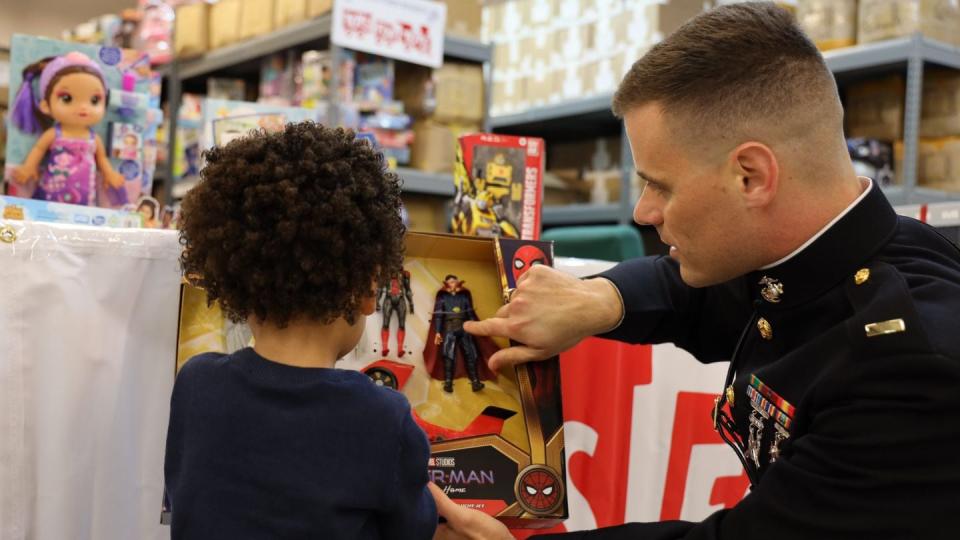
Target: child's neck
301, 343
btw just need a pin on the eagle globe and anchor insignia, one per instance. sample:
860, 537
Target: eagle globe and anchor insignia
772, 289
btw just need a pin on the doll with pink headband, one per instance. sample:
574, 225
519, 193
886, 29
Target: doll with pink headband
72, 99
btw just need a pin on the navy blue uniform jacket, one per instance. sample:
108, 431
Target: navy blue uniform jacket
857, 367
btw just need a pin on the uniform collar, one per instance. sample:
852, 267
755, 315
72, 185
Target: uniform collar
836, 252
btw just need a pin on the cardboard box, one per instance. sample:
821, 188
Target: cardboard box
542, 12
539, 86
887, 19
316, 8
938, 163
940, 115
434, 144
829, 23
604, 185
459, 90
464, 18
451, 93
225, 22
874, 108
256, 18
659, 19
287, 12
488, 445
426, 213
191, 30
498, 182
564, 186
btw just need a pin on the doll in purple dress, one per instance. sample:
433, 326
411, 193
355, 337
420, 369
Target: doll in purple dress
72, 97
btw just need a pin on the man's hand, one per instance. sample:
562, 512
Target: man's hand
549, 312
465, 523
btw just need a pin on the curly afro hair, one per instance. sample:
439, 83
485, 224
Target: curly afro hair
292, 224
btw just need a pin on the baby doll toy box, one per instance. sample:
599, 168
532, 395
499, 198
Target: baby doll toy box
496, 437
82, 123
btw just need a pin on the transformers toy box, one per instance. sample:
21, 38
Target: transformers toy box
498, 181
496, 438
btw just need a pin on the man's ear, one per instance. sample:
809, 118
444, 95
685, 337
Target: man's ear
758, 172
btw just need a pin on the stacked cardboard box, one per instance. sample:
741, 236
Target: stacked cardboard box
549, 51
874, 108
445, 103
464, 18
940, 116
202, 26
191, 30
225, 22
886, 19
829, 23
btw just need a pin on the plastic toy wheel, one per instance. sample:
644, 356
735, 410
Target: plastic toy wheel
383, 377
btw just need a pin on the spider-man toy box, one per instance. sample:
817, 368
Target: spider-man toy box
496, 437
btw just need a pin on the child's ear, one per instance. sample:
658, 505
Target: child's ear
369, 303
45, 107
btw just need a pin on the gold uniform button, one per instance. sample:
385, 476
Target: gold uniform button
766, 331
730, 395
861, 276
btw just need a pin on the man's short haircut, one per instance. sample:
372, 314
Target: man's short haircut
734, 66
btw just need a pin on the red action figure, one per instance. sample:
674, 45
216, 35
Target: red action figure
394, 297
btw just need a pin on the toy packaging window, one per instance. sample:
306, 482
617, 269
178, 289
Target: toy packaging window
496, 438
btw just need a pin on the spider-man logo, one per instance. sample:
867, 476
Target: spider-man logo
525, 258
539, 490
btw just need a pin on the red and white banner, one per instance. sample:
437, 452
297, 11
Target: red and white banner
409, 30
640, 444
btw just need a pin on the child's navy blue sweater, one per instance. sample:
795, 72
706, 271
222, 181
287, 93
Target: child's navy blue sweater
257, 449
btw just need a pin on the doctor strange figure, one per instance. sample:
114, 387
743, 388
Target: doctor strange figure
448, 339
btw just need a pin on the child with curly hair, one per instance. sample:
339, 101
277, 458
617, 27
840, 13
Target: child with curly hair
290, 231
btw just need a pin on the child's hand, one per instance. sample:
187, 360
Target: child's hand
465, 522
24, 174
114, 179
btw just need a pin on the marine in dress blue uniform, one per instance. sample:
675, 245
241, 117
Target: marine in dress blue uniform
843, 396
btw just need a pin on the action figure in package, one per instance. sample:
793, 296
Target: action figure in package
453, 307
394, 297
497, 181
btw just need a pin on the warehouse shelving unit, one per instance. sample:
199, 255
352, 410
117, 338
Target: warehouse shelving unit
592, 116
244, 58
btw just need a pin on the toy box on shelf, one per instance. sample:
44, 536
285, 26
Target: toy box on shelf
67, 214
130, 100
225, 120
496, 437
498, 186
